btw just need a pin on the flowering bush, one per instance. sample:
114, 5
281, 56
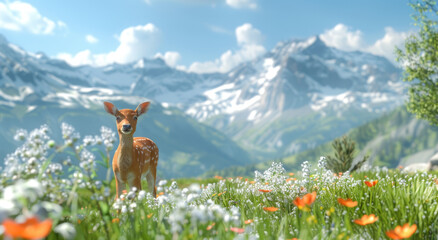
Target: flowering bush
42, 188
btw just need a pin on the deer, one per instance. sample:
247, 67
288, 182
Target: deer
135, 156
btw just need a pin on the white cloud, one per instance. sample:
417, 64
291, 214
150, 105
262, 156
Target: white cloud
249, 40
81, 58
246, 34
343, 38
21, 16
386, 45
251, 4
218, 29
171, 58
91, 39
135, 43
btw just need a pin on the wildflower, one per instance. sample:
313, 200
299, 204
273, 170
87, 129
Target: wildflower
264, 190
108, 137
237, 230
116, 220
209, 227
270, 209
306, 201
366, 219
251, 182
329, 212
32, 228
66, 230
218, 177
311, 219
150, 215
347, 202
371, 184
249, 221
162, 183
291, 174
400, 232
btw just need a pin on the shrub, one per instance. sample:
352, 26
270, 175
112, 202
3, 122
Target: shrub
344, 156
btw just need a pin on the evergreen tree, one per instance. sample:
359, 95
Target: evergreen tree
344, 156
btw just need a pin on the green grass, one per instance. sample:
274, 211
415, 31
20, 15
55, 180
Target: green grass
398, 198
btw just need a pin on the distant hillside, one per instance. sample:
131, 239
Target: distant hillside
397, 138
187, 148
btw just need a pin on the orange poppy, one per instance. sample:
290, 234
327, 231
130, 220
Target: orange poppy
307, 200
218, 177
347, 202
115, 220
32, 228
209, 227
270, 209
237, 230
371, 184
264, 190
291, 174
400, 232
150, 215
252, 182
249, 221
366, 219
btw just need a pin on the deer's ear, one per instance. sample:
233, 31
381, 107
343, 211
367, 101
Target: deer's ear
110, 108
142, 108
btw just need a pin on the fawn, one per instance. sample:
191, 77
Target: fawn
134, 157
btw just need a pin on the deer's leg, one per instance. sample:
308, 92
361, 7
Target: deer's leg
137, 183
120, 186
151, 183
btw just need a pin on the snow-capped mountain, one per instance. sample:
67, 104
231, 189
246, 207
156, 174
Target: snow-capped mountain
298, 74
36, 90
281, 102
296, 96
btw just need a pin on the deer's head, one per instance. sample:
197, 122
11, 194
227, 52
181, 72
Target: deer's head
126, 118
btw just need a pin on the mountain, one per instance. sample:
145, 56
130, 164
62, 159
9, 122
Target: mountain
397, 138
36, 90
299, 95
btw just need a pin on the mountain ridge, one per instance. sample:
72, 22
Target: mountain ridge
298, 95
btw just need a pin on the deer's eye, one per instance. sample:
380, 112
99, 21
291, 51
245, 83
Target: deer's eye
118, 118
135, 117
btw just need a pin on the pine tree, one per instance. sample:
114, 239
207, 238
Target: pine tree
344, 156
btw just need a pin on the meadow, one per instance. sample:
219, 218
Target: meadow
47, 195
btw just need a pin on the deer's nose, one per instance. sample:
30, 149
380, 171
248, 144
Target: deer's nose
126, 127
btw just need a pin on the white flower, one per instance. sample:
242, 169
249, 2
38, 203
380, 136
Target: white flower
162, 183
67, 230
30, 189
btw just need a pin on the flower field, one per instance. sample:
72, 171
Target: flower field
46, 194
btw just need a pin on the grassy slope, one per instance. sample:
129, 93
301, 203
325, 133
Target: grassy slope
388, 139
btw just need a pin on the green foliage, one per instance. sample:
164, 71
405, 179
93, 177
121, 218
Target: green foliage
344, 156
388, 139
420, 61
398, 198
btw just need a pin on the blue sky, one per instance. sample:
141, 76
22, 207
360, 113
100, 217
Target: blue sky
198, 35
